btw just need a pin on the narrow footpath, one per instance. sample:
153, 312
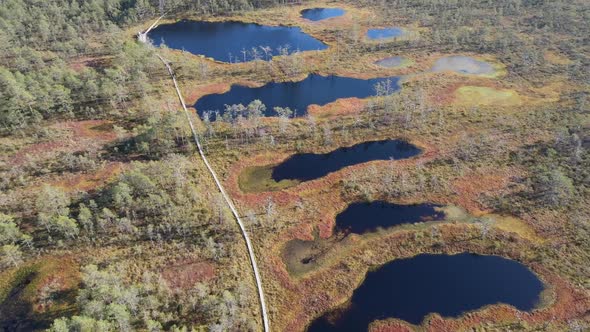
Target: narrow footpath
142, 38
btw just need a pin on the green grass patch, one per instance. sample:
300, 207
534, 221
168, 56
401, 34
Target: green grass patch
259, 179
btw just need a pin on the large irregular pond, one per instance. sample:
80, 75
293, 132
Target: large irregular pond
233, 41
463, 64
363, 217
315, 89
318, 14
309, 166
410, 289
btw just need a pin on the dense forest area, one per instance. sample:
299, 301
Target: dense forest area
109, 220
43, 40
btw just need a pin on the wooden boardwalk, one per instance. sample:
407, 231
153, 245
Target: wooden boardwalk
142, 37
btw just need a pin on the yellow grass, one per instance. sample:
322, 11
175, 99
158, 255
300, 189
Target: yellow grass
557, 58
484, 96
515, 225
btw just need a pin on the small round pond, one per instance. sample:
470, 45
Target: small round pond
384, 33
233, 41
318, 14
451, 285
464, 65
363, 217
391, 62
297, 96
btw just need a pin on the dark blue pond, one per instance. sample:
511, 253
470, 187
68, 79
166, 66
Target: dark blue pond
315, 89
362, 217
226, 41
318, 14
409, 289
384, 33
309, 166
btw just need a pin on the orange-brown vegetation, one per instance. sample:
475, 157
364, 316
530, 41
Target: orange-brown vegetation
74, 136
183, 276
89, 181
486, 180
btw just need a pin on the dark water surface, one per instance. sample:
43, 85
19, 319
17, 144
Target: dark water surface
384, 33
309, 166
318, 14
409, 289
362, 217
226, 41
315, 89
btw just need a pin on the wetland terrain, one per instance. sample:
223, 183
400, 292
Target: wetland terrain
396, 166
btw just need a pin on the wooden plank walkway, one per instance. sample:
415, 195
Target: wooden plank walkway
142, 37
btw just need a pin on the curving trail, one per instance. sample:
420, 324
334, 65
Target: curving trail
142, 38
